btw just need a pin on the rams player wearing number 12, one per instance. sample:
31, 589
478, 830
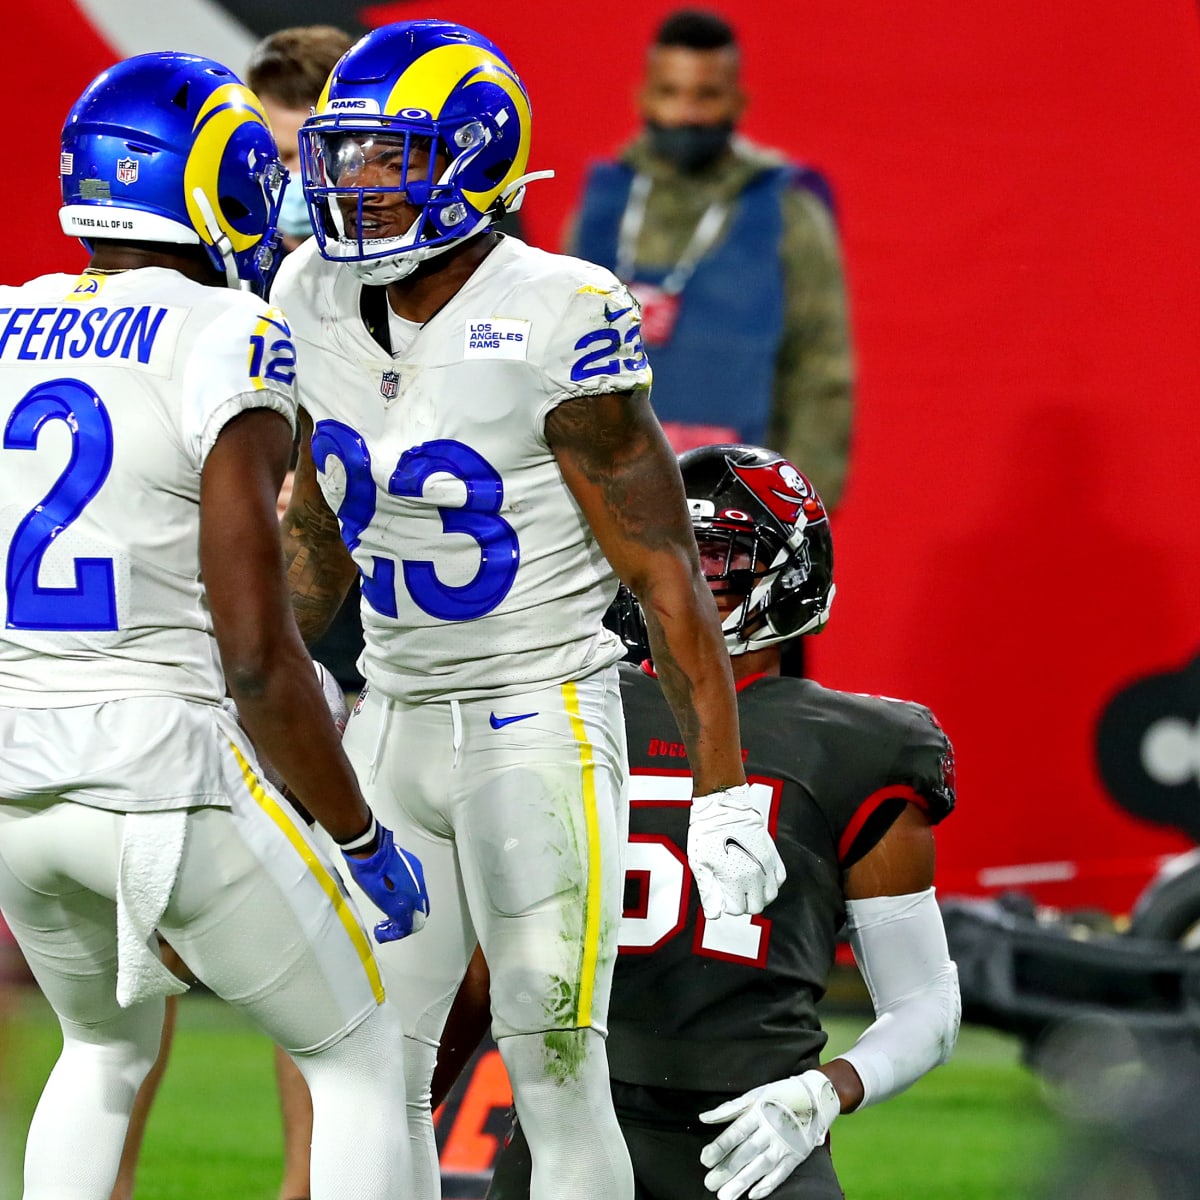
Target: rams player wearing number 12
146, 412
477, 418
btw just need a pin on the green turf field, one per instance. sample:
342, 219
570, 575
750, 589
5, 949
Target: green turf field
976, 1129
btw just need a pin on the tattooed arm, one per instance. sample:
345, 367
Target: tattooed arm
616, 461
319, 567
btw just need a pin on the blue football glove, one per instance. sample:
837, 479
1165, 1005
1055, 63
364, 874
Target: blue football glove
394, 880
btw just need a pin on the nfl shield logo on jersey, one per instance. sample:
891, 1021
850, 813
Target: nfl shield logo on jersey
389, 385
127, 170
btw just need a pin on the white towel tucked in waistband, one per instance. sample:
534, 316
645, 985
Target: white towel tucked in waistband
151, 851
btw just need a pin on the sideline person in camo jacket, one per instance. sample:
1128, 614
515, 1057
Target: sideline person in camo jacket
733, 253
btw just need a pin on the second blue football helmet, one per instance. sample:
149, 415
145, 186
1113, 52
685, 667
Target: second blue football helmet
441, 106
173, 148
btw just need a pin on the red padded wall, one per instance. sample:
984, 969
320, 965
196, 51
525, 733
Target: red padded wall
1019, 198
1019, 201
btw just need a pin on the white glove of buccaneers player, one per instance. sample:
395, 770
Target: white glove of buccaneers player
731, 854
778, 1126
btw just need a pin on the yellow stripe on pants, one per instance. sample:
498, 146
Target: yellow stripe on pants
328, 884
591, 926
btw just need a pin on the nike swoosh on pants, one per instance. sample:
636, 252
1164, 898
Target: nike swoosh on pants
500, 722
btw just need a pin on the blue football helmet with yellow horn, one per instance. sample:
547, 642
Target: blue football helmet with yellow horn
424, 117
173, 148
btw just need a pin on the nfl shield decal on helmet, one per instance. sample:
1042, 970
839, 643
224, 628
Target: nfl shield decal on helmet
127, 170
389, 385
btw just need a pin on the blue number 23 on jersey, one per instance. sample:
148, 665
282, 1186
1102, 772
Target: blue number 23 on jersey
479, 518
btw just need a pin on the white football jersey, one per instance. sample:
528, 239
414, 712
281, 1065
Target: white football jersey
480, 574
113, 389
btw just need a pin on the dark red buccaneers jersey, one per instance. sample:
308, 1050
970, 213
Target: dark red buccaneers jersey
725, 1005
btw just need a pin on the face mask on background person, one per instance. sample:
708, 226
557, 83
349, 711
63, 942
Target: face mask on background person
690, 101
689, 147
294, 220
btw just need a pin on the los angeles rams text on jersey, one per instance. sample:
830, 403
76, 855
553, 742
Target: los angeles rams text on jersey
480, 573
113, 389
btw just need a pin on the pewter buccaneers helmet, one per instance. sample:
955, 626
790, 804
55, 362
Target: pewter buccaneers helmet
754, 499
429, 85
745, 498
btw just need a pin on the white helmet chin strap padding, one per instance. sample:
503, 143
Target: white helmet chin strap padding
220, 239
757, 600
735, 642
766, 636
516, 190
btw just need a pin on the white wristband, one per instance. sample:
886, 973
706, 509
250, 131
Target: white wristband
363, 840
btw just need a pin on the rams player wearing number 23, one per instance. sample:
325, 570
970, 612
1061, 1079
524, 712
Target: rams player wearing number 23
476, 416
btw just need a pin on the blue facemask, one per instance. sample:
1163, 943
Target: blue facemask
293, 212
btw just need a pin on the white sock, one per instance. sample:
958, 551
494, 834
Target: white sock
560, 1086
359, 1149
78, 1130
419, 1061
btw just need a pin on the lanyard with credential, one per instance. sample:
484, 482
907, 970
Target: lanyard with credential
634, 216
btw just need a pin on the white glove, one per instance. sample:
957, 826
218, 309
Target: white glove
778, 1126
731, 854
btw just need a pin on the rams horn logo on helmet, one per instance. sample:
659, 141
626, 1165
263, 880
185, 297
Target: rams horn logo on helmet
228, 108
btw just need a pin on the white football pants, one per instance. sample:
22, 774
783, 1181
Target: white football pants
256, 912
517, 808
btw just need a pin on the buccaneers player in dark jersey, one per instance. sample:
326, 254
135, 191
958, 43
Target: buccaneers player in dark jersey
714, 1022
